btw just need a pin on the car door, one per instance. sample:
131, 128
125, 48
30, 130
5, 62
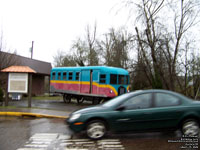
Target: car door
135, 115
168, 110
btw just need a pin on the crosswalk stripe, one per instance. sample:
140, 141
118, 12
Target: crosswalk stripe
31, 149
46, 141
36, 145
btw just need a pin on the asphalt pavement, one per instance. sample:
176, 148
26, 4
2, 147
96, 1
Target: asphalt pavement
41, 108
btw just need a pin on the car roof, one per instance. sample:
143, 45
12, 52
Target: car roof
139, 92
160, 91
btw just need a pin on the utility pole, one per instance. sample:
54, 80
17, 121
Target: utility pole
32, 50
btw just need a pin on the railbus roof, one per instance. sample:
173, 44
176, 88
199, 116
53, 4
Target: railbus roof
103, 69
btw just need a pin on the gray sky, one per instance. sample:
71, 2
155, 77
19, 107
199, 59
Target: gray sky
53, 24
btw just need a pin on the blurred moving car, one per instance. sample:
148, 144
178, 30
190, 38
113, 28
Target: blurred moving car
145, 110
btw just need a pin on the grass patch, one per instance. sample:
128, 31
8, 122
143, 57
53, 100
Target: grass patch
8, 107
45, 98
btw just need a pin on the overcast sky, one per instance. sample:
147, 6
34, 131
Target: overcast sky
53, 24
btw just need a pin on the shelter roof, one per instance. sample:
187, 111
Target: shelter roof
22, 69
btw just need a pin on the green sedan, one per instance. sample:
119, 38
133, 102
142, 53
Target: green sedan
144, 110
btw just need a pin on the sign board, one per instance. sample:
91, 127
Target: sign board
18, 83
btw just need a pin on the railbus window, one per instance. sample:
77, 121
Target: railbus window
77, 76
102, 78
59, 75
127, 80
64, 75
70, 75
121, 79
53, 76
113, 79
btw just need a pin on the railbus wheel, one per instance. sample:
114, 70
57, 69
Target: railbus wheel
102, 100
80, 100
121, 90
95, 101
66, 98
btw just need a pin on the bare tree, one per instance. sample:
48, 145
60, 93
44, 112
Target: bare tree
58, 58
148, 40
159, 46
80, 52
114, 48
6, 59
91, 42
85, 50
62, 59
183, 21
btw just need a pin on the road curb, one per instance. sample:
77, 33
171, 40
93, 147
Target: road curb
23, 114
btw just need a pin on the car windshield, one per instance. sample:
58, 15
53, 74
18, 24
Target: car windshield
117, 100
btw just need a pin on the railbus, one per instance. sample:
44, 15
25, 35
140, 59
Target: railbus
95, 83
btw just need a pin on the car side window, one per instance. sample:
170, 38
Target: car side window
164, 100
139, 102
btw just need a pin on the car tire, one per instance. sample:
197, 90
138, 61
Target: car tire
190, 127
67, 98
96, 129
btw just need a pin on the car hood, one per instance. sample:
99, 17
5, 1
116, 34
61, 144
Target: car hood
91, 110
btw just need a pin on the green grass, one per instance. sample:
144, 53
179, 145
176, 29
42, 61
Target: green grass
45, 98
9, 107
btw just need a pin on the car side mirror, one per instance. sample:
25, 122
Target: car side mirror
120, 108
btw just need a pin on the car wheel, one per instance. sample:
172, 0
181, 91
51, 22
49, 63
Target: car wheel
67, 98
96, 129
190, 127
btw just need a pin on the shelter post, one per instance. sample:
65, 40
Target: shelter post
6, 92
30, 90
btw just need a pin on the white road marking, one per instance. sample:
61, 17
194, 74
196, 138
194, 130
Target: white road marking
41, 142
31, 149
36, 145
76, 140
108, 143
55, 141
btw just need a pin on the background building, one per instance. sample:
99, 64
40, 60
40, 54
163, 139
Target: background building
40, 81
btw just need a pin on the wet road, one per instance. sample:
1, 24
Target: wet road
17, 132
52, 104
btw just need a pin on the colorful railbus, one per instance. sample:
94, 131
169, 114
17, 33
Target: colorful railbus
94, 83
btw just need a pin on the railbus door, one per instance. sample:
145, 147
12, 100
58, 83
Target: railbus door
85, 81
89, 81
95, 82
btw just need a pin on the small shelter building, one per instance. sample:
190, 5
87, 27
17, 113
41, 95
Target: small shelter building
15, 63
